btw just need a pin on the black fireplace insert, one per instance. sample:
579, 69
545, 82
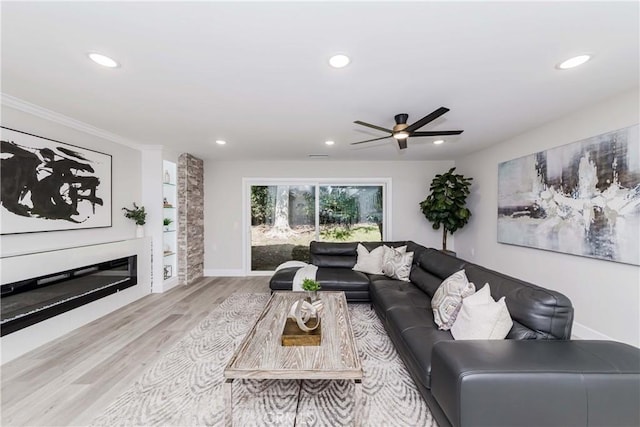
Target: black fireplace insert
30, 301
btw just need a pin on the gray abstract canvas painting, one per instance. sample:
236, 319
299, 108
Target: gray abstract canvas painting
581, 198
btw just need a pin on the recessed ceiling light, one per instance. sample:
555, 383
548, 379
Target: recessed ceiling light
339, 61
573, 62
103, 60
329, 142
438, 141
220, 142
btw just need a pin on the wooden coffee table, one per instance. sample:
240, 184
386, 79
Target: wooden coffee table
261, 356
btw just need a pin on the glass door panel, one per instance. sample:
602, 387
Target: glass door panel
282, 224
351, 213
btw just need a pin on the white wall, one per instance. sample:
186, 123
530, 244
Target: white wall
21, 267
605, 295
126, 188
223, 200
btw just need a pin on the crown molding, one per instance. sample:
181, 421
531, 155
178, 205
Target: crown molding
35, 110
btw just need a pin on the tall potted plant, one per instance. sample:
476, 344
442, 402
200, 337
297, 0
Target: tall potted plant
445, 206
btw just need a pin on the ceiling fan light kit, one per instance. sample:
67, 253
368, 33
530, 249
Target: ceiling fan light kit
401, 135
401, 132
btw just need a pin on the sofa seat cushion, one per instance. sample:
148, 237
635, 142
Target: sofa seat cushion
415, 333
342, 279
406, 313
330, 278
388, 293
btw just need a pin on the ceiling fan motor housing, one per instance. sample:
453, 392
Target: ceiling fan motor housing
401, 125
401, 119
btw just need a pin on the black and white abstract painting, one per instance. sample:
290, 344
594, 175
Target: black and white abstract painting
581, 198
48, 185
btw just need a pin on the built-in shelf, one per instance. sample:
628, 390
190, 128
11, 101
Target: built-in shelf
169, 202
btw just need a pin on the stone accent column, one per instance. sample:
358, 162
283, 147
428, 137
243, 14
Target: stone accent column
190, 197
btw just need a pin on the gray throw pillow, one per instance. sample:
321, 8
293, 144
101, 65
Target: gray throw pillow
447, 300
397, 265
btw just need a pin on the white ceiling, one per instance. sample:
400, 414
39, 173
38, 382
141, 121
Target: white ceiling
256, 74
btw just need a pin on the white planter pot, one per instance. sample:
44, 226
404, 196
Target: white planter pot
139, 231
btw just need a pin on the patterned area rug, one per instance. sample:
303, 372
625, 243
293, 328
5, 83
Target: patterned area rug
184, 387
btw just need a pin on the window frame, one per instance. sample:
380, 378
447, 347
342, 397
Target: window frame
247, 183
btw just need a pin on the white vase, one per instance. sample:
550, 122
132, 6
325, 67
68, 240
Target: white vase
139, 231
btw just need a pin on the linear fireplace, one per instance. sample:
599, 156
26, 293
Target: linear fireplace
26, 302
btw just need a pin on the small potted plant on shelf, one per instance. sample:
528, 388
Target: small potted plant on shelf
167, 222
139, 215
312, 287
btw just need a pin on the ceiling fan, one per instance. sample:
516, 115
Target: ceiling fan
401, 131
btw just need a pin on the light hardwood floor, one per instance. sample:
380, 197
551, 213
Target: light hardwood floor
73, 379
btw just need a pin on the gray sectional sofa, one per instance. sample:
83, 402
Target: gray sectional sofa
535, 377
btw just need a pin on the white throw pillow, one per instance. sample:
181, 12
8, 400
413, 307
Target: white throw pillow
369, 262
397, 263
447, 299
482, 318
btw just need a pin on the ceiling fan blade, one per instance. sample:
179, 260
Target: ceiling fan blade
426, 119
358, 122
370, 140
402, 143
437, 133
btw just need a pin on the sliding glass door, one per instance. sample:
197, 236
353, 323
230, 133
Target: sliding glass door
286, 216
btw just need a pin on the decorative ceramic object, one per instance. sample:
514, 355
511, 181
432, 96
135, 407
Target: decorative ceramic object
303, 312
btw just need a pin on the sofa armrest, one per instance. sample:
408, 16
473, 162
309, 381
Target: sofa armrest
537, 383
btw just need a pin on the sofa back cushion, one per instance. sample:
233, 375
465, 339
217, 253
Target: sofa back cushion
372, 245
432, 267
537, 313
330, 254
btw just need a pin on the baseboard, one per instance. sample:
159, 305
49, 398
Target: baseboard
581, 332
171, 283
223, 273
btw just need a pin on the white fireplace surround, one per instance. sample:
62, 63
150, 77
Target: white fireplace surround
24, 266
